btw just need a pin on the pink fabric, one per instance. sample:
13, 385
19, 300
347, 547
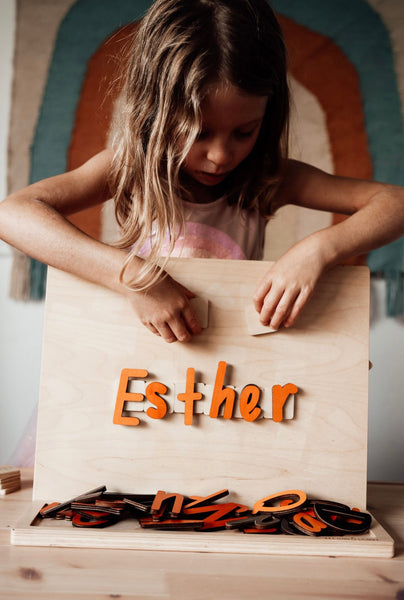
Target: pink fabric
217, 230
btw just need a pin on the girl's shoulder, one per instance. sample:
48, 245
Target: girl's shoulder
97, 167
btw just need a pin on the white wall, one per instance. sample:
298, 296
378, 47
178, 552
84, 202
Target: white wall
20, 323
21, 334
386, 391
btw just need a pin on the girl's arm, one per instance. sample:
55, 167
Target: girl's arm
375, 217
34, 220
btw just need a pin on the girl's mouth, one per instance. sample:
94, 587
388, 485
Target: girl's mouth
212, 178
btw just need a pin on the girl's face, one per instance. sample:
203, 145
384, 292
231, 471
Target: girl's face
231, 122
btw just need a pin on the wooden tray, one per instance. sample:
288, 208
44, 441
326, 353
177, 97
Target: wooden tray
32, 530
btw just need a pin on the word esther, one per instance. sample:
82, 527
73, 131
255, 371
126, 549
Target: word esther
222, 398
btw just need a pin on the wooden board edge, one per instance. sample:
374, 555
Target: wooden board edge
380, 545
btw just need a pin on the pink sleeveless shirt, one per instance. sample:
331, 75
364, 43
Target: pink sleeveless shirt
218, 230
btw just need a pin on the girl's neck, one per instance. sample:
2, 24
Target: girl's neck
202, 194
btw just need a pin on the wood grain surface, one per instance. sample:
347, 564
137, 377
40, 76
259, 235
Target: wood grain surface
91, 334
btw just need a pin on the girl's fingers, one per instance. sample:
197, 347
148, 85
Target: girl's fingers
281, 306
166, 311
165, 331
181, 328
260, 294
269, 306
152, 328
191, 320
297, 308
186, 325
283, 309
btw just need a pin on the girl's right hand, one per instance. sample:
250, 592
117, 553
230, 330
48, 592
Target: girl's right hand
164, 309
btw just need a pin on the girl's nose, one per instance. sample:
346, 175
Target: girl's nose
219, 153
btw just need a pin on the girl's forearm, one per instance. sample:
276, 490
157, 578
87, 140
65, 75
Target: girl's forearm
290, 281
379, 222
39, 230
36, 228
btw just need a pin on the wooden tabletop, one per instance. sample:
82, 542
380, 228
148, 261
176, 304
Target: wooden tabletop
73, 573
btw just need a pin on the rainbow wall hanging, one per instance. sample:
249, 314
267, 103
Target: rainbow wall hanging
347, 55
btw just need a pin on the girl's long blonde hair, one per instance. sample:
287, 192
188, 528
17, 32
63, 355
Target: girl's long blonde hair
180, 49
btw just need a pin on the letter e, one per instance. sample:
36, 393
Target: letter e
124, 396
249, 399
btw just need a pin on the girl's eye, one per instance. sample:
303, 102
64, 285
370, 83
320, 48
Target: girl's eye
238, 134
244, 134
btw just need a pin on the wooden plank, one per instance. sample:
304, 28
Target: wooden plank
91, 334
254, 325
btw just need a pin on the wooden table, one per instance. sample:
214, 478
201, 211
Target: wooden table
71, 573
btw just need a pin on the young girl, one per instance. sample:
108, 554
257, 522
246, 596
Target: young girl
197, 168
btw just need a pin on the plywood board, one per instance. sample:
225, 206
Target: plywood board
35, 531
91, 334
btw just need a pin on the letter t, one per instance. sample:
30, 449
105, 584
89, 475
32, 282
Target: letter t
189, 396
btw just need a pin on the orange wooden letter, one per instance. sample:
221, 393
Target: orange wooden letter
217, 515
280, 393
162, 498
222, 394
189, 396
297, 496
307, 522
249, 399
124, 396
153, 391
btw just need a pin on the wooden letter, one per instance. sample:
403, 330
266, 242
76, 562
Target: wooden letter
125, 396
280, 393
204, 500
221, 394
297, 496
189, 396
162, 498
307, 523
249, 399
153, 391
215, 516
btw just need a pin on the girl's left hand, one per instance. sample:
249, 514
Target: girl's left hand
289, 283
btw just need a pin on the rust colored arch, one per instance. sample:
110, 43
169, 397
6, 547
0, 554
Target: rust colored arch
94, 113
321, 67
